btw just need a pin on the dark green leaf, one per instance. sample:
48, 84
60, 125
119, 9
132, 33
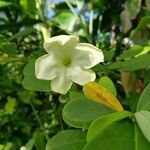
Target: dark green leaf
30, 82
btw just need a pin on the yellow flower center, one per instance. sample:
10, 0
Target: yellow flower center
66, 61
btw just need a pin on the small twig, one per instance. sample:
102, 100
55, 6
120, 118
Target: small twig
39, 121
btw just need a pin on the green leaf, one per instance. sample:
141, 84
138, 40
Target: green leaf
144, 103
131, 101
30, 144
4, 4
81, 112
102, 122
29, 5
66, 20
141, 34
39, 140
22, 33
143, 120
9, 48
131, 52
76, 95
108, 55
120, 135
133, 64
107, 83
67, 140
30, 82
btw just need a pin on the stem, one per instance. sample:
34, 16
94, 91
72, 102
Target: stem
44, 26
60, 117
91, 23
39, 121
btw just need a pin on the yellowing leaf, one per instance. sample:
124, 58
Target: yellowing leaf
98, 93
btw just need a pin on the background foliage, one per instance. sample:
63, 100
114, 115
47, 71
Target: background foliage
28, 118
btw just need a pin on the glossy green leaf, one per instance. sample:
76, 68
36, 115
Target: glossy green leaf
144, 103
81, 112
39, 140
141, 34
101, 123
120, 135
67, 140
107, 83
143, 120
133, 64
30, 82
4, 4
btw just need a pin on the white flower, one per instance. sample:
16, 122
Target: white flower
67, 61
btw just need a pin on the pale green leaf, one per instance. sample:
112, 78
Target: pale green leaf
143, 120
144, 102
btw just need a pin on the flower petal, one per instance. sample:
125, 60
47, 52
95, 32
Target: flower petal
92, 56
47, 67
56, 43
80, 75
61, 84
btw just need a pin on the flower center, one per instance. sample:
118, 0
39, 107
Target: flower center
66, 61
